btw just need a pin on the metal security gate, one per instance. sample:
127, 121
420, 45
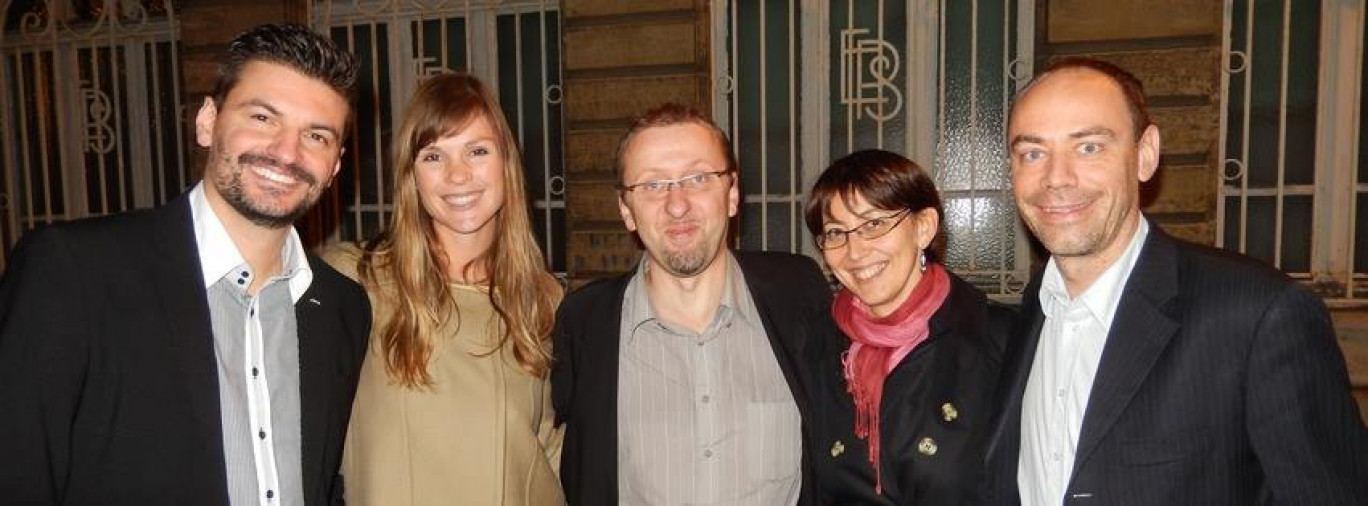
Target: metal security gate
802, 82
513, 46
89, 111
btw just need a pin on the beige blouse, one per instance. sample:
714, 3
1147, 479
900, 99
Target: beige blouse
482, 434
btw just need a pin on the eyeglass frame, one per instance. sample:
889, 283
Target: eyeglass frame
671, 184
845, 234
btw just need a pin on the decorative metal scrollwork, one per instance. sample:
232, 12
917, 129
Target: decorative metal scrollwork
1011, 285
870, 97
726, 84
99, 135
557, 185
1239, 167
1231, 68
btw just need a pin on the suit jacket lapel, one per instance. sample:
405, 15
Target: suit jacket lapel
1140, 331
784, 334
317, 377
177, 278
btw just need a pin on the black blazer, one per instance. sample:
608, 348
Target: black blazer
1220, 383
793, 300
957, 364
107, 367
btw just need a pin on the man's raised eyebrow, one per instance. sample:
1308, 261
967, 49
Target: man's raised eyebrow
1093, 132
1024, 138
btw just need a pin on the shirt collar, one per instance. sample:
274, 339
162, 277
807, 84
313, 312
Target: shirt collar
219, 256
1104, 294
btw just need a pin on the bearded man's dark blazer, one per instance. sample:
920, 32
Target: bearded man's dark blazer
793, 300
108, 385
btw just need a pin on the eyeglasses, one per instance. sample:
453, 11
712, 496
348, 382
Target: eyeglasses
661, 187
872, 228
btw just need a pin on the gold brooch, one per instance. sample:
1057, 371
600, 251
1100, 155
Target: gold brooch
949, 413
837, 449
927, 446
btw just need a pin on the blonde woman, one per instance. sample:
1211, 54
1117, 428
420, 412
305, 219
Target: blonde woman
453, 406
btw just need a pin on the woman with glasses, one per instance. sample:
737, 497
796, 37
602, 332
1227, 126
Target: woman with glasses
454, 404
904, 404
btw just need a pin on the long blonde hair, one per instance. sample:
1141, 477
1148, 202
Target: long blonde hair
409, 255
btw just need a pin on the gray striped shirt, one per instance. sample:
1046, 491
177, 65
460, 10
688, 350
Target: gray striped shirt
704, 418
256, 345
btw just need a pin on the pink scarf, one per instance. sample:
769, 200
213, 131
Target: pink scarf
877, 345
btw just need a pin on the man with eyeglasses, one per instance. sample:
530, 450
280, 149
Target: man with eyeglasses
683, 381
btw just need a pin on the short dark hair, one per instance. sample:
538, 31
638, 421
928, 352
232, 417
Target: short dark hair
671, 114
294, 46
886, 180
1131, 87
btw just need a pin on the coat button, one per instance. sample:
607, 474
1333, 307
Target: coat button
926, 446
949, 413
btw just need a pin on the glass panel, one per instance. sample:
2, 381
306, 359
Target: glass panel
1361, 232
1296, 234
440, 43
1265, 94
522, 94
1302, 90
1259, 228
1235, 106
363, 179
778, 222
868, 76
172, 178
1266, 75
42, 187
971, 170
980, 233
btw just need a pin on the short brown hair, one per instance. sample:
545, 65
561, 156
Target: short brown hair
671, 114
1131, 87
886, 180
295, 46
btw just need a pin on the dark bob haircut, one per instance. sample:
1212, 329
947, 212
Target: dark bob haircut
886, 180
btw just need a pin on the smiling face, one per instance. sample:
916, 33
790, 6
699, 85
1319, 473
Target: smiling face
275, 143
460, 180
683, 230
1077, 166
880, 272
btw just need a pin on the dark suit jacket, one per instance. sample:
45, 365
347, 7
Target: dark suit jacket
957, 364
107, 367
794, 302
1220, 383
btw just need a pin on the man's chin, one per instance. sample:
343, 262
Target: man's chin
268, 217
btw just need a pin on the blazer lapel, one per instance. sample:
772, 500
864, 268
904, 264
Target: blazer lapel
317, 378
1139, 333
785, 334
177, 279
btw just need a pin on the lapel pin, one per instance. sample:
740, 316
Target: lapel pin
315, 301
949, 413
926, 446
837, 449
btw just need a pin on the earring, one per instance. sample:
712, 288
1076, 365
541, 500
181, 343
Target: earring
921, 259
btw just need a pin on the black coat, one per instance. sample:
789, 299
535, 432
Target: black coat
957, 365
792, 298
108, 389
1220, 383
